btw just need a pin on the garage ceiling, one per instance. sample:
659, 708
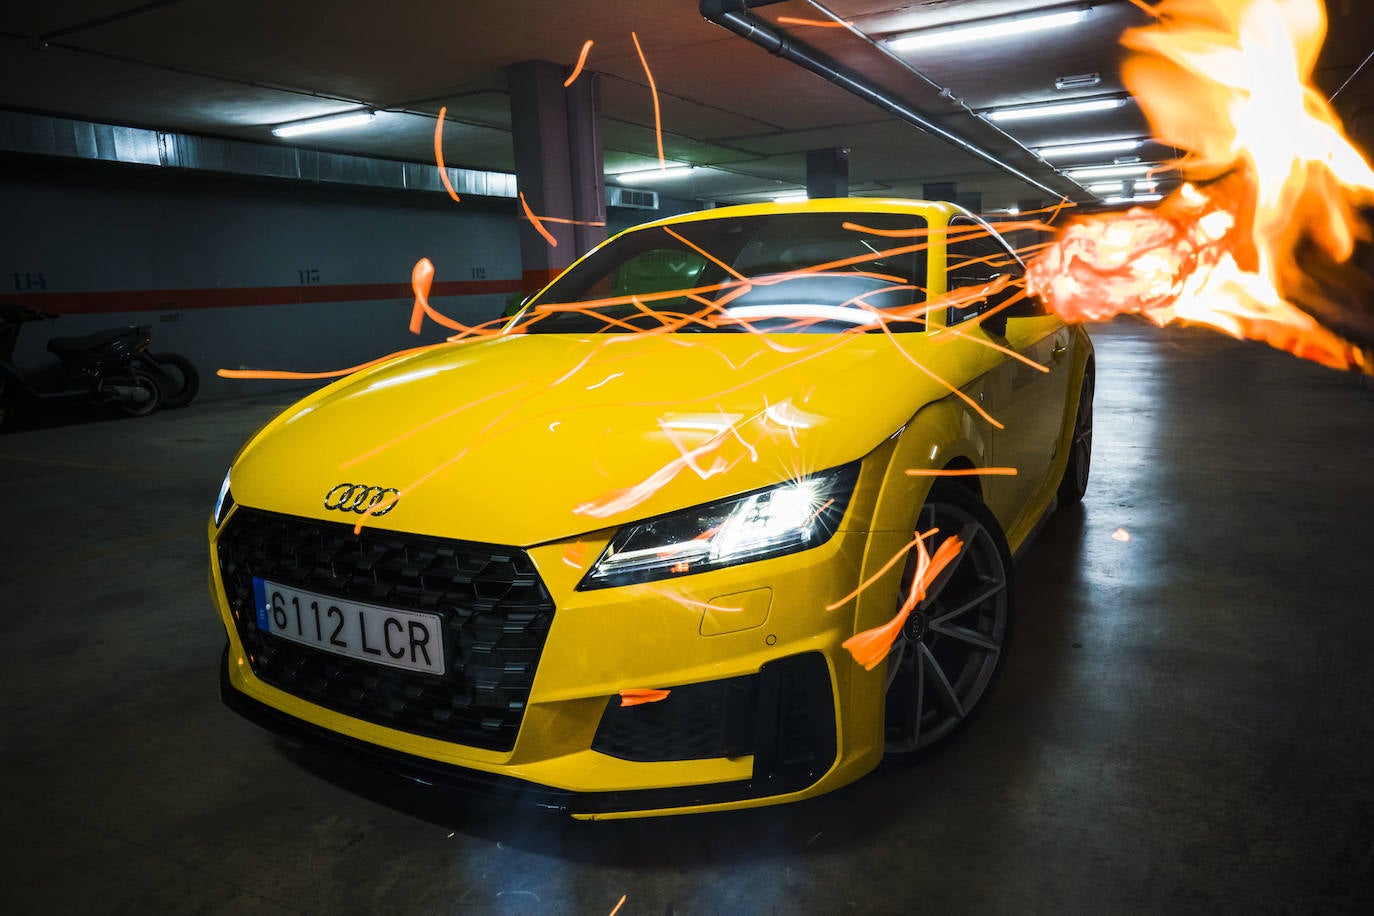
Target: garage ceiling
235, 70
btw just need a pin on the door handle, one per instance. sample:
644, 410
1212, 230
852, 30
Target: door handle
1060, 348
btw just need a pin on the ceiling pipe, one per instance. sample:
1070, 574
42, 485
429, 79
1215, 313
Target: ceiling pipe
736, 16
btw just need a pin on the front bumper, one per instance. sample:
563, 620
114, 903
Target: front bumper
792, 750
755, 713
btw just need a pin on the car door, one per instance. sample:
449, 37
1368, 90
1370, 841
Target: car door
1027, 399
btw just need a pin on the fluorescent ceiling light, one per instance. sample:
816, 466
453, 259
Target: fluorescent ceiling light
1119, 187
987, 29
1138, 199
1109, 171
791, 197
1054, 109
319, 125
1097, 146
672, 171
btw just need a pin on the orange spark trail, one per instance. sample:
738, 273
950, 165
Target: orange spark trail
621, 903
870, 647
333, 373
439, 154
537, 223
581, 60
879, 574
815, 23
961, 472
638, 696
653, 88
706, 254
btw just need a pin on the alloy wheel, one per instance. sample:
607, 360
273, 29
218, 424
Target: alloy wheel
943, 665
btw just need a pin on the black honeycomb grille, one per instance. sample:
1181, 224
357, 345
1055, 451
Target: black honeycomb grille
696, 722
496, 614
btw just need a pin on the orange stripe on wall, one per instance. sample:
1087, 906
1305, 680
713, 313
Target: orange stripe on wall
166, 300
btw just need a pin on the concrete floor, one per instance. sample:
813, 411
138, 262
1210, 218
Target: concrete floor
1184, 723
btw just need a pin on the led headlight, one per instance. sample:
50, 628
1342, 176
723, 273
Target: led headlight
225, 502
771, 522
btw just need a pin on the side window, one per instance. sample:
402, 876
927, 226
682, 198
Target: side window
978, 257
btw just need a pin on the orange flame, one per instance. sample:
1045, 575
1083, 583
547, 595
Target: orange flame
1258, 243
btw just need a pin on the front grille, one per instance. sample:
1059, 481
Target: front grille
496, 614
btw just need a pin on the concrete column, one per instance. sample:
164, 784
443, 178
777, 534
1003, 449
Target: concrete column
938, 190
971, 201
827, 173
558, 165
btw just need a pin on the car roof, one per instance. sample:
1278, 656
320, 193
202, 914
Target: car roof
924, 208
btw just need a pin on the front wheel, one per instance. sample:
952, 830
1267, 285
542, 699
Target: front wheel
182, 380
943, 666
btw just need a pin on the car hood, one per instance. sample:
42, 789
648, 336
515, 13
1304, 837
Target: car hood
525, 439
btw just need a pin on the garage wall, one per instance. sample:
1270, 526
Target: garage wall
236, 272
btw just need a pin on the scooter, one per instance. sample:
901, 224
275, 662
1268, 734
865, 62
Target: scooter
112, 365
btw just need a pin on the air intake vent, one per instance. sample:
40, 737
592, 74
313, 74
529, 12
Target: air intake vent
631, 199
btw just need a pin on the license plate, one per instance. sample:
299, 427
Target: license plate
384, 635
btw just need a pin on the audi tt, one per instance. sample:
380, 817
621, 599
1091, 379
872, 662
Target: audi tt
614, 557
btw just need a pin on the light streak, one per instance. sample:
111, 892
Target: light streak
439, 154
638, 696
814, 23
332, 373
653, 89
871, 647
536, 222
619, 904
961, 472
581, 60
892, 561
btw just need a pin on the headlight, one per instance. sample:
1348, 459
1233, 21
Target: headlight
225, 502
771, 522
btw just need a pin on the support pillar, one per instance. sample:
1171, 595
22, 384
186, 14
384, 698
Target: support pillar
827, 173
938, 190
558, 165
972, 201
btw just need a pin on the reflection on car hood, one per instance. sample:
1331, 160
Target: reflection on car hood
529, 438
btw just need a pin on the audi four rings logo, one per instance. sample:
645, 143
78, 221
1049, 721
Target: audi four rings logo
362, 499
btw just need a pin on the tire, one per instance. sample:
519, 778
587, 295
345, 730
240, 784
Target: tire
944, 665
1075, 480
137, 378
183, 381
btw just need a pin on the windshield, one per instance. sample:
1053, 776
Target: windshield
784, 272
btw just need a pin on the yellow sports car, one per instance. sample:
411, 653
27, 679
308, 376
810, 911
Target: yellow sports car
670, 540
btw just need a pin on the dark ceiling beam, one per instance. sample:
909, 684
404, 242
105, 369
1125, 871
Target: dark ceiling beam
736, 16
119, 16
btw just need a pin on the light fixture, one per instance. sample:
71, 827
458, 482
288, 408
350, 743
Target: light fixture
672, 171
319, 125
1108, 171
988, 29
1078, 81
791, 197
1054, 109
1138, 199
1119, 187
1095, 146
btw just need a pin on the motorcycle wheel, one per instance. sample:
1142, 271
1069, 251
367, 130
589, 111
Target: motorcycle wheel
139, 379
183, 381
